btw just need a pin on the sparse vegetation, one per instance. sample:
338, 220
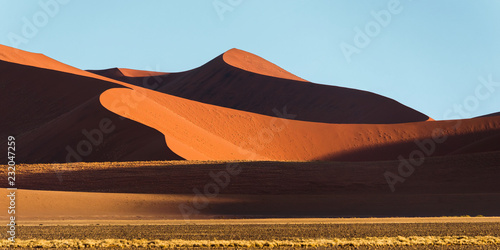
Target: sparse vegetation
258, 235
296, 242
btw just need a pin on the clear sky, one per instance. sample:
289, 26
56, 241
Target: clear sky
429, 55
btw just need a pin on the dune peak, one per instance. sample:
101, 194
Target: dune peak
250, 62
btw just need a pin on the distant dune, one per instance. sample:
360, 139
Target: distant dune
136, 77
236, 107
49, 106
243, 81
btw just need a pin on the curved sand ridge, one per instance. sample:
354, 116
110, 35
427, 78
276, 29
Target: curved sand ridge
198, 131
20, 57
256, 64
55, 114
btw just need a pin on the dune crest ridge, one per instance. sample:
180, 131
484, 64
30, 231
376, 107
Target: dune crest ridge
243, 84
256, 64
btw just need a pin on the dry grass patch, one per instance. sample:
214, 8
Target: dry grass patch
368, 241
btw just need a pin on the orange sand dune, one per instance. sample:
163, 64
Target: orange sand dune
243, 81
256, 64
63, 101
54, 109
12, 55
200, 131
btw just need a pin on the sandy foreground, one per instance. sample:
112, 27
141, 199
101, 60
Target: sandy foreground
35, 207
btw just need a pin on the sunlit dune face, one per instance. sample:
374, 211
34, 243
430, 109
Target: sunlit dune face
198, 131
9, 54
17, 56
250, 62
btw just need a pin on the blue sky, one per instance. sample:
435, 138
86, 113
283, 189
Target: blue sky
429, 55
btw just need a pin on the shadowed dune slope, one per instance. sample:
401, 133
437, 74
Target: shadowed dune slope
122, 72
57, 116
243, 81
492, 114
456, 174
140, 78
442, 186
